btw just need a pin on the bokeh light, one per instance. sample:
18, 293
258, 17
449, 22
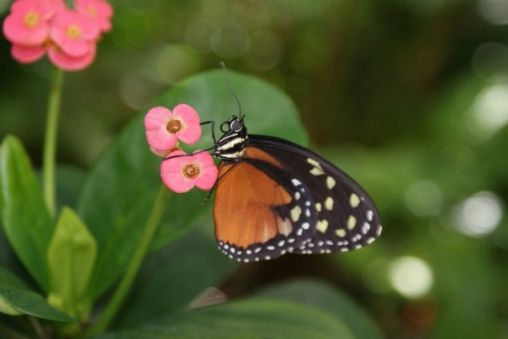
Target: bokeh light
490, 61
410, 276
479, 214
490, 109
198, 34
230, 39
265, 50
494, 11
175, 54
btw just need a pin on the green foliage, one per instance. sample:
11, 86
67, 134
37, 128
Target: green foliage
255, 318
71, 258
25, 218
16, 298
325, 298
388, 90
174, 276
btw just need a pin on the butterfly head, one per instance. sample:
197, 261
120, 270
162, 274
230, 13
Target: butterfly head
234, 125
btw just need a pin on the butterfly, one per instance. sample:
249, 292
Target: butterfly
274, 197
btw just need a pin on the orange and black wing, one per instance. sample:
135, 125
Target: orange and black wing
347, 218
260, 213
280, 197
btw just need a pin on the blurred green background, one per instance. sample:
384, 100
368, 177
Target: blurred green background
408, 96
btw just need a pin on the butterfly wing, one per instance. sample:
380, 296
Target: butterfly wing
346, 218
260, 212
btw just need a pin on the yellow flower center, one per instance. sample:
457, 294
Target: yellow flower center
174, 126
91, 11
73, 31
31, 19
191, 171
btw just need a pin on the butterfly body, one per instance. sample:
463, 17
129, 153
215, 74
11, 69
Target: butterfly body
275, 197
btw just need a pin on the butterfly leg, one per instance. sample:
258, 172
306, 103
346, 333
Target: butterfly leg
216, 183
193, 153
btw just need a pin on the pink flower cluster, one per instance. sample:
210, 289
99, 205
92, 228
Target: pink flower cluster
68, 36
180, 172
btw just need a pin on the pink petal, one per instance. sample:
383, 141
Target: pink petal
191, 132
98, 11
17, 32
171, 173
160, 152
26, 55
69, 63
204, 158
157, 135
209, 171
46, 8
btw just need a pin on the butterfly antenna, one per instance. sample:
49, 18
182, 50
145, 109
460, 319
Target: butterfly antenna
223, 65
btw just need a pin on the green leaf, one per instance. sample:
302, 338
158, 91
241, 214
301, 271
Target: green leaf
71, 257
7, 279
172, 277
119, 193
31, 303
20, 300
324, 297
260, 318
26, 220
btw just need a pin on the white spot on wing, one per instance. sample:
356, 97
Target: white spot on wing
313, 162
370, 215
322, 225
329, 203
295, 213
316, 171
354, 200
340, 233
330, 182
296, 182
365, 227
351, 222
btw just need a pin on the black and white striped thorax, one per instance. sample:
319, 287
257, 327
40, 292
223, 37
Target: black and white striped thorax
231, 145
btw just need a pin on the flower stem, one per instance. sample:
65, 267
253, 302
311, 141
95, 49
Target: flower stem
134, 265
48, 164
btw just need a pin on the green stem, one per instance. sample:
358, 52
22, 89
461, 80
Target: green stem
125, 284
48, 165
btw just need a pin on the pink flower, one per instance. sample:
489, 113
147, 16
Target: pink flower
164, 128
28, 23
181, 174
73, 33
70, 63
99, 11
37, 27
